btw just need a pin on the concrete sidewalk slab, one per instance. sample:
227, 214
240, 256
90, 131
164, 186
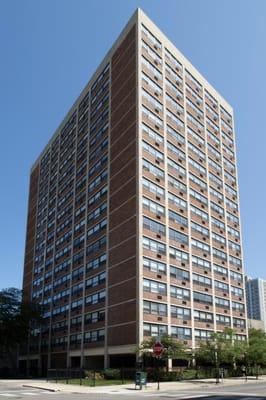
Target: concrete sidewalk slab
129, 388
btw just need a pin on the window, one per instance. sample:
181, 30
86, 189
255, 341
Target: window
179, 293
195, 136
178, 219
179, 274
223, 320
96, 280
157, 172
197, 181
214, 165
96, 262
170, 87
177, 201
153, 245
174, 120
181, 333
236, 276
154, 266
217, 209
235, 261
202, 334
174, 183
153, 207
151, 37
151, 116
194, 121
217, 223
150, 307
178, 255
97, 228
220, 270
195, 108
94, 317
199, 212
236, 291
175, 135
151, 68
222, 303
152, 85
218, 238
169, 56
154, 287
96, 298
153, 226
180, 312
154, 330
177, 108
224, 287
151, 187
200, 245
202, 298
94, 336
200, 263
200, 229
197, 166
201, 280
238, 306
239, 323
176, 168
156, 104
176, 151
219, 254
178, 237
152, 134
202, 316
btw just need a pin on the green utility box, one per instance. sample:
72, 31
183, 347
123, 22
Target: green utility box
140, 379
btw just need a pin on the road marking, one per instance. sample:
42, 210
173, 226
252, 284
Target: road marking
31, 393
194, 396
21, 393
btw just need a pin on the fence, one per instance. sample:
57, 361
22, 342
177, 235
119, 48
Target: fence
92, 377
97, 377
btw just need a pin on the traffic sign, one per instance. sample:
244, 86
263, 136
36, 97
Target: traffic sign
158, 349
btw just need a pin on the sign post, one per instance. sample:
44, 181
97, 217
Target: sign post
158, 349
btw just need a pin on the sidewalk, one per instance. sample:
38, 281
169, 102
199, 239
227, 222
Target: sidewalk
130, 388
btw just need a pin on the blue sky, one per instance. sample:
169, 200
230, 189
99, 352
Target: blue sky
49, 50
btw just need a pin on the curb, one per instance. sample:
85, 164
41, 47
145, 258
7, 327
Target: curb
40, 387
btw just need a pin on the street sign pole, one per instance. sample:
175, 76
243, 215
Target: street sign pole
157, 351
158, 373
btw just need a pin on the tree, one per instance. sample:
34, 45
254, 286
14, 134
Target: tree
173, 348
219, 350
16, 320
256, 350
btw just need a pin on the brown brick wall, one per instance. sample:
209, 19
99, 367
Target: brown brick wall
122, 205
30, 233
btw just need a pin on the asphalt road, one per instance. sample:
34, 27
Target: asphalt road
247, 391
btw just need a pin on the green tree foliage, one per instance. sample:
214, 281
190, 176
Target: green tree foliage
173, 348
16, 318
255, 352
219, 350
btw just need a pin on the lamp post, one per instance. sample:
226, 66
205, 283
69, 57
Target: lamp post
216, 363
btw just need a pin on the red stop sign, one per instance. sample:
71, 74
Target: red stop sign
157, 349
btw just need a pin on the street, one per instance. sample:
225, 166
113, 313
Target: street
246, 391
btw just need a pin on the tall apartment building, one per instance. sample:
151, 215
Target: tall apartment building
256, 299
133, 221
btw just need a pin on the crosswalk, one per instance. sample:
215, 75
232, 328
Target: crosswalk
21, 393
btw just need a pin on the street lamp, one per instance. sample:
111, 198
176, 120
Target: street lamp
216, 363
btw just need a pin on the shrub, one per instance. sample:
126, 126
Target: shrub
112, 373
